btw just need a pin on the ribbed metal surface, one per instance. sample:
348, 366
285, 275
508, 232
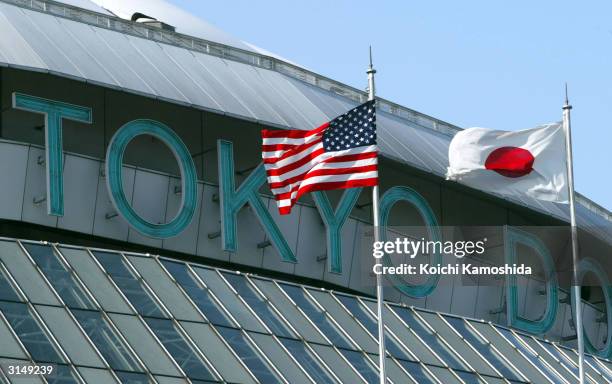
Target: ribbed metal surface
117, 58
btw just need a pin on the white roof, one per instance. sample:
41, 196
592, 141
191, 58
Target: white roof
183, 21
138, 59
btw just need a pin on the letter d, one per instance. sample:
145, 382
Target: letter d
514, 237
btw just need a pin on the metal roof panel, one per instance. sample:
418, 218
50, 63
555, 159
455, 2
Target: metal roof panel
275, 97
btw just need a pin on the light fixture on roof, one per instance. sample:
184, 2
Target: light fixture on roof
151, 21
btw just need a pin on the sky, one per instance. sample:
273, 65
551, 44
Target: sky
501, 65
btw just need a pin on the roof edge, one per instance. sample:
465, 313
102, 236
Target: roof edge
224, 51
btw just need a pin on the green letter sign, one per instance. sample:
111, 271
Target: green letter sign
54, 112
514, 237
389, 199
114, 165
232, 200
334, 221
591, 265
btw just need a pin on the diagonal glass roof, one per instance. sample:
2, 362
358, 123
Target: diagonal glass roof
186, 322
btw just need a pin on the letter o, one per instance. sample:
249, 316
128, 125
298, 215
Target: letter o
389, 199
114, 177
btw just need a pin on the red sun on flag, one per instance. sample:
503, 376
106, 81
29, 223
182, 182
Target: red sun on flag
510, 161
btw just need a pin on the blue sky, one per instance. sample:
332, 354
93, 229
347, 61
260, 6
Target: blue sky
471, 63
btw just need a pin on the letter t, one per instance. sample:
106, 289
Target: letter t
54, 112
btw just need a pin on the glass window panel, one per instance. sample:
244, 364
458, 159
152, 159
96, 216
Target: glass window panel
532, 355
225, 362
164, 288
395, 373
291, 313
404, 334
355, 308
258, 304
30, 332
495, 380
444, 375
598, 371
25, 275
129, 284
362, 365
9, 347
340, 367
224, 294
69, 336
483, 347
170, 380
249, 356
132, 377
417, 372
93, 375
606, 363
200, 295
508, 351
571, 356
59, 276
458, 344
112, 348
431, 339
345, 322
94, 278
316, 315
61, 374
7, 292
469, 377
271, 348
602, 368
560, 366
308, 361
180, 349
145, 345
202, 381
364, 317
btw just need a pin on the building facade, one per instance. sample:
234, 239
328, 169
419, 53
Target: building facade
152, 250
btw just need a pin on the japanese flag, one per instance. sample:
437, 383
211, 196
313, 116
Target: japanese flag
530, 162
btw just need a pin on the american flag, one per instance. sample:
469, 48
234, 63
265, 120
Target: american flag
339, 154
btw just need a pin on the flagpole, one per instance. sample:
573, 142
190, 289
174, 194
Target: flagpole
375, 221
576, 285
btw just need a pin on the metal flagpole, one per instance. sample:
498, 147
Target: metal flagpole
375, 220
576, 287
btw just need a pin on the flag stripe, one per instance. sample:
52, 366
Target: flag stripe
324, 186
345, 155
274, 151
289, 178
336, 155
289, 142
329, 178
294, 154
305, 157
281, 190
